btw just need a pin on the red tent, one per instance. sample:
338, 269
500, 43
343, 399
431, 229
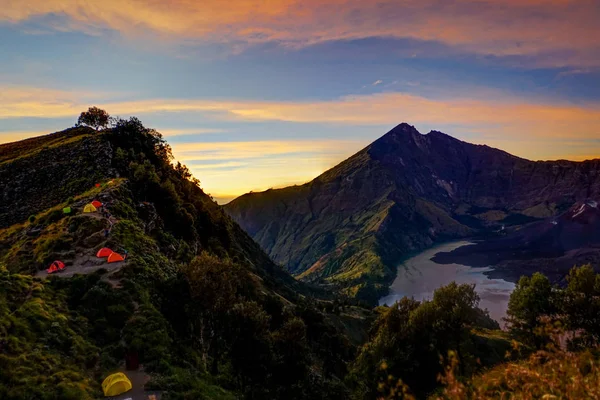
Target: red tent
97, 185
104, 252
55, 267
115, 257
96, 204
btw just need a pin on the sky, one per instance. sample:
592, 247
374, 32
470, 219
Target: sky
259, 94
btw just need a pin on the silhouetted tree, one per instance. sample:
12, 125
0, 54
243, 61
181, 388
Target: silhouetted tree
456, 306
94, 117
408, 338
214, 285
530, 302
581, 305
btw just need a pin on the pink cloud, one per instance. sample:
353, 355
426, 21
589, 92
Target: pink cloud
556, 33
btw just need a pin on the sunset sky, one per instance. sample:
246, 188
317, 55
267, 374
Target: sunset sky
260, 94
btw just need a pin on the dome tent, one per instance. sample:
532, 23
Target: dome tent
56, 266
89, 208
96, 204
104, 252
116, 384
115, 257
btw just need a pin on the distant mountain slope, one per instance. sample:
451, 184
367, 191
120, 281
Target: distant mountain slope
552, 246
401, 194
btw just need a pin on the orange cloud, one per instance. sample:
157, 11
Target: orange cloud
228, 169
552, 32
500, 115
487, 112
530, 129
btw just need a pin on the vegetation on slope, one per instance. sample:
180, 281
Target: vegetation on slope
197, 300
551, 350
408, 338
554, 374
209, 315
562, 324
39, 173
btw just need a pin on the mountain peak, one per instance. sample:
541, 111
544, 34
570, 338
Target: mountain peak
439, 134
403, 129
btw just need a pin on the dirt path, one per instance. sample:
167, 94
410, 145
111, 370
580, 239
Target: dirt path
71, 270
86, 262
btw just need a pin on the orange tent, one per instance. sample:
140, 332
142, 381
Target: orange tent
96, 204
115, 257
104, 252
56, 266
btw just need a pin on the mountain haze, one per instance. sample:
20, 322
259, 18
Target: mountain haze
351, 225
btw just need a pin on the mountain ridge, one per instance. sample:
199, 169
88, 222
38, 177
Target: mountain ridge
195, 301
402, 193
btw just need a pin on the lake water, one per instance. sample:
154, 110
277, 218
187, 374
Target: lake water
419, 276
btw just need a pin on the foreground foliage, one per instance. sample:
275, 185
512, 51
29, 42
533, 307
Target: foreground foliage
544, 375
44, 350
408, 338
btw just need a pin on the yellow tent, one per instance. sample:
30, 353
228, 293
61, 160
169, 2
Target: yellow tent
89, 208
116, 384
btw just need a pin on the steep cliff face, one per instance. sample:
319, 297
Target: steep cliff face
402, 193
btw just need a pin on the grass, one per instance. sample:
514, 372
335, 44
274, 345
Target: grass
545, 375
63, 342
44, 348
57, 237
28, 147
43, 172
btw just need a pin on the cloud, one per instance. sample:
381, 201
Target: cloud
531, 128
190, 131
482, 111
377, 82
228, 169
509, 116
556, 33
13, 136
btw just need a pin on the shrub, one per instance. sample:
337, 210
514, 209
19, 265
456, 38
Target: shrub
94, 117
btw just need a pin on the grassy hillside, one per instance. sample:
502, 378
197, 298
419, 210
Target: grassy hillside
194, 298
38, 173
